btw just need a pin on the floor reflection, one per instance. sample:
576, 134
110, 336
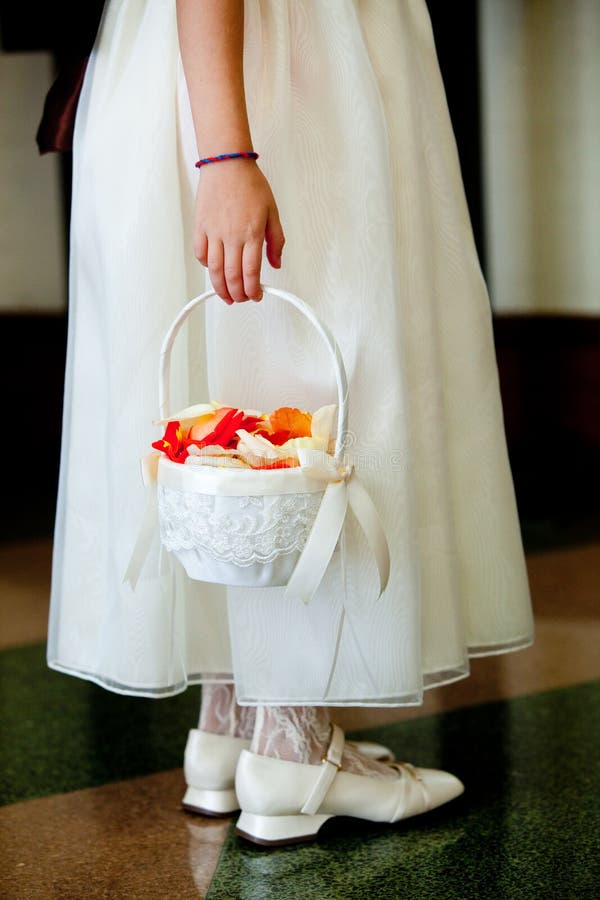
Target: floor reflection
523, 828
79, 821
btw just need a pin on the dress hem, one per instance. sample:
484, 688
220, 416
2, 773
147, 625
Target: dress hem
433, 679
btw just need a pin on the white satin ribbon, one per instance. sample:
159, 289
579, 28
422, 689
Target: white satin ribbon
139, 555
343, 489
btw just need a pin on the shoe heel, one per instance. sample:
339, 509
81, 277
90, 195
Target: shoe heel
275, 830
210, 803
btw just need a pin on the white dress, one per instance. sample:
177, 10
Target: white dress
348, 113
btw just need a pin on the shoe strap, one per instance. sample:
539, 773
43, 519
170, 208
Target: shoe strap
331, 765
417, 782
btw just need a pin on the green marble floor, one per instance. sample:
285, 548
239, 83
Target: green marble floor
62, 733
527, 826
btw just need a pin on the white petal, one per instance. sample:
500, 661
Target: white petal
211, 450
322, 421
256, 445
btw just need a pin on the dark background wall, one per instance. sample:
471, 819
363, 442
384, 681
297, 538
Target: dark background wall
549, 365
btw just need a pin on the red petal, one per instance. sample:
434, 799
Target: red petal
201, 430
223, 430
275, 437
250, 423
229, 428
172, 444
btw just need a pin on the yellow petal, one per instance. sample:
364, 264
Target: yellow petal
290, 448
190, 412
322, 421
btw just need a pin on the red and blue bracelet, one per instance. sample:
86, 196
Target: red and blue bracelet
212, 159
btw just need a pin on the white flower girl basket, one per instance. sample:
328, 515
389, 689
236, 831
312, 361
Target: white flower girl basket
259, 527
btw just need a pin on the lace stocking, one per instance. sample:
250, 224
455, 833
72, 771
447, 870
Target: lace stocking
302, 734
220, 714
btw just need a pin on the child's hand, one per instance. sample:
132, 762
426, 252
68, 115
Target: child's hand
235, 213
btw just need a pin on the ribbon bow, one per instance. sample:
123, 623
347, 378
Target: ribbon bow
343, 489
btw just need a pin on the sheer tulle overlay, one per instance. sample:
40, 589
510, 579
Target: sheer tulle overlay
348, 113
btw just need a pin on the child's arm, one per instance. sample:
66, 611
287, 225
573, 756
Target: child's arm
235, 208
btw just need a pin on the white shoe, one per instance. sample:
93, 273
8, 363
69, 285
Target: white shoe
210, 761
287, 802
209, 765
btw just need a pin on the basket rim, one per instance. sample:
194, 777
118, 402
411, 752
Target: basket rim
236, 481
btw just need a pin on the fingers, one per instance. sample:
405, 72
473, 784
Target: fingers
234, 270
275, 238
232, 219
251, 263
216, 272
201, 248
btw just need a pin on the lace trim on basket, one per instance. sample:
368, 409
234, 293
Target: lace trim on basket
243, 530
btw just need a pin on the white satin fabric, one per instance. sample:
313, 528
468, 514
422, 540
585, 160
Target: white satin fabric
348, 113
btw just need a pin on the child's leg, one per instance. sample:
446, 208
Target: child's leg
302, 734
220, 714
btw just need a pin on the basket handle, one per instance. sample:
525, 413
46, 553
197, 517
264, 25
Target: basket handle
334, 350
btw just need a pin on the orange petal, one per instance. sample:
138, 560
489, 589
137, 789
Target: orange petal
288, 418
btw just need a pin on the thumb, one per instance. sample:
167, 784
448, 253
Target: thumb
275, 239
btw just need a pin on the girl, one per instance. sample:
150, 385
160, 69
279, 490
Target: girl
358, 176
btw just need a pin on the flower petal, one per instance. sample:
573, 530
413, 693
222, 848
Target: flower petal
286, 463
257, 445
219, 429
274, 437
211, 450
312, 443
172, 443
322, 421
288, 418
190, 412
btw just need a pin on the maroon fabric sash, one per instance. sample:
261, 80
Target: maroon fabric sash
55, 131
73, 39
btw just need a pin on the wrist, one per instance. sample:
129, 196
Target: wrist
232, 159
224, 140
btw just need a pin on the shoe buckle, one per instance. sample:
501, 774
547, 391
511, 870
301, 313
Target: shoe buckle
326, 759
410, 768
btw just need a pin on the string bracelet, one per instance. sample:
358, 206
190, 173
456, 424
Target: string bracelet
222, 156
